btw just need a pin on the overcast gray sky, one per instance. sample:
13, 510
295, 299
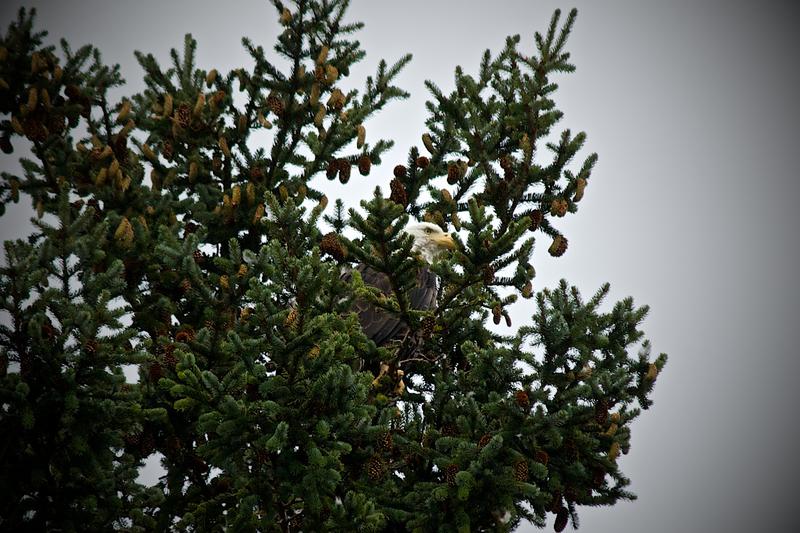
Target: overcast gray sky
692, 109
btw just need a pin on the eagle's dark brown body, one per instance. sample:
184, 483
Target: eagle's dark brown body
382, 326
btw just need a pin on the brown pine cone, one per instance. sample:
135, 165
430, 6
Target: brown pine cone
375, 468
156, 372
556, 502
521, 470
536, 217
541, 456
400, 171
275, 104
559, 207
344, 171
170, 359
386, 441
488, 274
562, 516
364, 165
256, 173
5, 144
332, 246
423, 162
598, 477
559, 246
333, 169
183, 115
601, 411
34, 129
399, 195
522, 399
497, 314
453, 173
450, 474
337, 100
427, 326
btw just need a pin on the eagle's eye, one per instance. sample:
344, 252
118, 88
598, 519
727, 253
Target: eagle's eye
428, 230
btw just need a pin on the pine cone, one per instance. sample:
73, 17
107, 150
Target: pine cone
488, 274
34, 129
559, 246
5, 144
386, 442
399, 195
167, 150
156, 372
91, 346
344, 171
497, 314
527, 290
652, 372
256, 173
450, 474
598, 477
55, 123
331, 245
48, 331
198, 257
170, 359
185, 335
275, 104
133, 440
333, 169
522, 399
541, 456
613, 451
183, 116
120, 148
453, 173
423, 162
559, 207
336, 100
427, 326
484, 440
521, 470
580, 187
562, 516
375, 468
292, 319
536, 217
364, 165
601, 411
400, 171
186, 286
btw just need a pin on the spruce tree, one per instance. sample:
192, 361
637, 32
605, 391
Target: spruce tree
166, 239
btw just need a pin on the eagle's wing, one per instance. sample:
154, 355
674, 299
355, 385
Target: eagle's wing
380, 325
423, 296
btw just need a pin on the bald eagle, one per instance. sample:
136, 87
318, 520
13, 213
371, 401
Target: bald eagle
381, 326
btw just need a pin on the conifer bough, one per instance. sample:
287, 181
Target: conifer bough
166, 240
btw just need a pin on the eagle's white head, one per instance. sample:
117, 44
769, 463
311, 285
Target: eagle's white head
429, 240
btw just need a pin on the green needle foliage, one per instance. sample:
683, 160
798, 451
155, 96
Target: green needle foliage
166, 240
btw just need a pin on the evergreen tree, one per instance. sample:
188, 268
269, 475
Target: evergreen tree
164, 239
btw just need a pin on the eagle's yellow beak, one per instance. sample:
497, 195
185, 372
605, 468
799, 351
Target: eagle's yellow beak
445, 241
